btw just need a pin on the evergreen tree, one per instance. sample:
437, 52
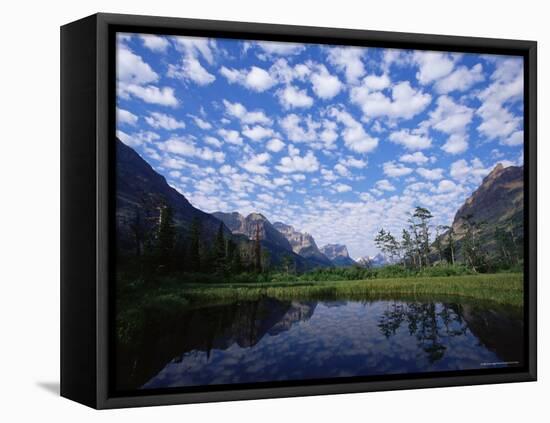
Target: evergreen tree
257, 251
194, 245
219, 250
166, 235
423, 216
137, 228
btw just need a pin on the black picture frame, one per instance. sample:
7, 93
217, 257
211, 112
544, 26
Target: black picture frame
87, 125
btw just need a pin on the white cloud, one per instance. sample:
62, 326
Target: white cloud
256, 164
405, 102
299, 130
307, 163
342, 188
150, 94
154, 42
283, 73
450, 117
185, 147
472, 172
131, 69
397, 57
240, 112
233, 75
292, 97
384, 185
325, 85
281, 49
124, 116
354, 135
455, 144
164, 121
505, 89
257, 132
516, 138
214, 142
432, 65
134, 77
256, 79
396, 170
348, 60
275, 145
231, 136
201, 123
293, 151
460, 80
342, 170
197, 46
354, 162
227, 169
411, 140
191, 69
430, 174
446, 185
417, 158
328, 175
376, 83
281, 181
329, 135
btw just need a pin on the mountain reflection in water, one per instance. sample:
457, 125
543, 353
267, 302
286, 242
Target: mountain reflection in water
274, 340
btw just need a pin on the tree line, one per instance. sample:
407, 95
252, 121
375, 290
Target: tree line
415, 250
160, 246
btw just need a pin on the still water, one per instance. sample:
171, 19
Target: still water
273, 340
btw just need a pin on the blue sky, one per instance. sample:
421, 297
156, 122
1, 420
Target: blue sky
336, 141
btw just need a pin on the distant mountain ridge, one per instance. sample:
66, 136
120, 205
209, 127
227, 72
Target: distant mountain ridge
377, 260
302, 244
239, 224
338, 255
273, 240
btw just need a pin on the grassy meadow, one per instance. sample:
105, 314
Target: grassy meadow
166, 298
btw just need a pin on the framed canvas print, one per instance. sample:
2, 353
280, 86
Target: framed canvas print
255, 211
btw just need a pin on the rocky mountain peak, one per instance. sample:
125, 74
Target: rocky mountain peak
302, 243
338, 254
335, 250
498, 198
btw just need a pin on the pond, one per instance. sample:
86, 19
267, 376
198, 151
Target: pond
273, 340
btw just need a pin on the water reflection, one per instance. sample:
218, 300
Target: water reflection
269, 340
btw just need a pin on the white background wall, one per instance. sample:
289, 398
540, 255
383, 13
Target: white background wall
29, 220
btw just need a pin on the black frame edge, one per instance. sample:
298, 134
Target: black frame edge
101, 133
531, 142
78, 212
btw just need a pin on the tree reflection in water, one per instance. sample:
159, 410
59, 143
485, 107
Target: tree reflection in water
429, 322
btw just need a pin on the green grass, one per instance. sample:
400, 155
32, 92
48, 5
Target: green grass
503, 288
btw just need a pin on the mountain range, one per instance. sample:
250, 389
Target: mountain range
140, 191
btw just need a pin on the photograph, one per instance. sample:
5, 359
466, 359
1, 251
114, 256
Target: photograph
289, 212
